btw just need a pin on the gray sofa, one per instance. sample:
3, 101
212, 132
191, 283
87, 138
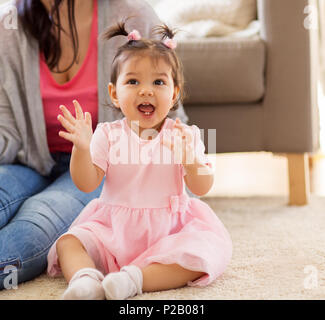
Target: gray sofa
259, 94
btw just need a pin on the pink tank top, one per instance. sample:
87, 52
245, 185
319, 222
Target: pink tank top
82, 87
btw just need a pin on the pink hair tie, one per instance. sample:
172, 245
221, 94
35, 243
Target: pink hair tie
170, 43
134, 35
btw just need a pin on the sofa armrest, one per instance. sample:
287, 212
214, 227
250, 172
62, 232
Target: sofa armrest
290, 102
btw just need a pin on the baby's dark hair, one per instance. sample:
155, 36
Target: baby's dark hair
155, 48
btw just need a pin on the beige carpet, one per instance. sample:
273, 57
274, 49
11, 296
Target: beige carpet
279, 253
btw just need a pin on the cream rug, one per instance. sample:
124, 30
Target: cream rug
279, 253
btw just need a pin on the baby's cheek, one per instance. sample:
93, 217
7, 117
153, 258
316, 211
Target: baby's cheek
168, 98
125, 101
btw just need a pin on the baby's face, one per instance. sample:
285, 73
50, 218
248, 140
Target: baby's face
145, 91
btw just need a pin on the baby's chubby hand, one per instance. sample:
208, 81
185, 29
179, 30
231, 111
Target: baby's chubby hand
79, 128
182, 145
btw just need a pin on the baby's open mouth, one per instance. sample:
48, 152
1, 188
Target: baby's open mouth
146, 108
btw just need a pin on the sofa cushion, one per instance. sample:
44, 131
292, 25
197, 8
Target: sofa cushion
223, 70
204, 18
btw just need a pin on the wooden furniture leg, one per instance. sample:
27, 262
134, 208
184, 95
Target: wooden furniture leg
298, 173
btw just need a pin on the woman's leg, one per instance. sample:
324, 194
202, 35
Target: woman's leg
157, 277
41, 219
17, 183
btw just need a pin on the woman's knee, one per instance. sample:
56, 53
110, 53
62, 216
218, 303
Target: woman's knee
17, 183
21, 180
46, 212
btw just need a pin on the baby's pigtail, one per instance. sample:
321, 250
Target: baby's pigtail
165, 32
167, 35
115, 30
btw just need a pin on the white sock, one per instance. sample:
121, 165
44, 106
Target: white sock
124, 284
86, 284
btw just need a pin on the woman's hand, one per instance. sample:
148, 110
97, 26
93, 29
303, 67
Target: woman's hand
182, 145
79, 128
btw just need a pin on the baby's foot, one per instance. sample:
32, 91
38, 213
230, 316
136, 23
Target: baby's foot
124, 284
85, 285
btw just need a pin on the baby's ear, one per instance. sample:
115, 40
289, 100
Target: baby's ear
112, 93
176, 93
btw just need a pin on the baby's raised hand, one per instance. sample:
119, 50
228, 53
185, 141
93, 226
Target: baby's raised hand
182, 145
79, 128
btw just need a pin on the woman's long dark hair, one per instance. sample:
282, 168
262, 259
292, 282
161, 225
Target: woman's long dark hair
46, 28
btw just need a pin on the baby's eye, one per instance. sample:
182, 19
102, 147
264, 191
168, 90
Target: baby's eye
132, 81
159, 82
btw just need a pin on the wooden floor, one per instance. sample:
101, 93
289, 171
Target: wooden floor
253, 174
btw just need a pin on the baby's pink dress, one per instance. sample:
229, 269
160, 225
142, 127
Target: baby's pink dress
144, 214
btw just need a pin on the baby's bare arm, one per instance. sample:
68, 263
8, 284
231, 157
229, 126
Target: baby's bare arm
199, 178
85, 175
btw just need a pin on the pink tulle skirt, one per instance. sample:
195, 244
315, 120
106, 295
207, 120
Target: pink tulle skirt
191, 236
